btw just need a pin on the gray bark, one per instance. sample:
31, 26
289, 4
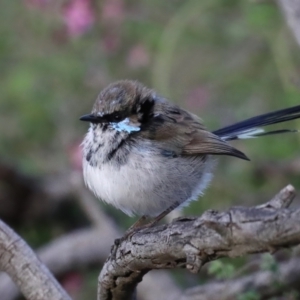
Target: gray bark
192, 242
26, 270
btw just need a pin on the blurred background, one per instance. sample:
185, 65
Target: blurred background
223, 60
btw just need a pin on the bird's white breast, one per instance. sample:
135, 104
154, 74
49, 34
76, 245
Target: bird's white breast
147, 181
116, 187
143, 186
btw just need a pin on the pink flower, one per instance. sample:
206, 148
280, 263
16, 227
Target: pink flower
112, 11
73, 282
110, 42
138, 57
112, 15
79, 17
75, 156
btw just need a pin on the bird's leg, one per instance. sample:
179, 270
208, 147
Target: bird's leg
131, 230
137, 224
162, 215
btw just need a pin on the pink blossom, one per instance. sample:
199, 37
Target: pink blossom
112, 11
112, 15
73, 283
138, 56
110, 42
75, 155
79, 17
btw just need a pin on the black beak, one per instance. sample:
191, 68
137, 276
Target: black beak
90, 118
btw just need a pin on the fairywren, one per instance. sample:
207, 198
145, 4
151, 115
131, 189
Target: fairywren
147, 156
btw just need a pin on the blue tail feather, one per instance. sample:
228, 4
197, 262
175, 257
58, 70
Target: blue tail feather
250, 128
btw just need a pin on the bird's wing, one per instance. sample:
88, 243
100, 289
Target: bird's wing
177, 130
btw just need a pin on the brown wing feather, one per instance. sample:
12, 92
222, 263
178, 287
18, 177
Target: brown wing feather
205, 142
184, 133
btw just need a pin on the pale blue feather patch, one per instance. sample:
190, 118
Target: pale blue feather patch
125, 125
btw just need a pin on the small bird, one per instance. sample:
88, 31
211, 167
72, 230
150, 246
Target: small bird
147, 156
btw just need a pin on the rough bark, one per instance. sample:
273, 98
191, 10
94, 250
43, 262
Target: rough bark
86, 247
266, 283
26, 270
191, 242
187, 242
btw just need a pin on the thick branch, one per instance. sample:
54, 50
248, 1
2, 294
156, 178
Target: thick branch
291, 10
87, 247
26, 270
266, 283
191, 242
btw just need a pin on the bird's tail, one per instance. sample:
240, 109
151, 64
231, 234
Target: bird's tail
251, 128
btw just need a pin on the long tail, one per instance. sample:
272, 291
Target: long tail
250, 128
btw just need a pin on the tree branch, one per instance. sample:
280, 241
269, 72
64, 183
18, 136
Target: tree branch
32, 277
191, 242
266, 283
86, 247
291, 10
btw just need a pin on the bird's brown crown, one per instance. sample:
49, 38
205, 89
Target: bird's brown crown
124, 97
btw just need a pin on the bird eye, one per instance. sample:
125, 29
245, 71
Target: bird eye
116, 117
